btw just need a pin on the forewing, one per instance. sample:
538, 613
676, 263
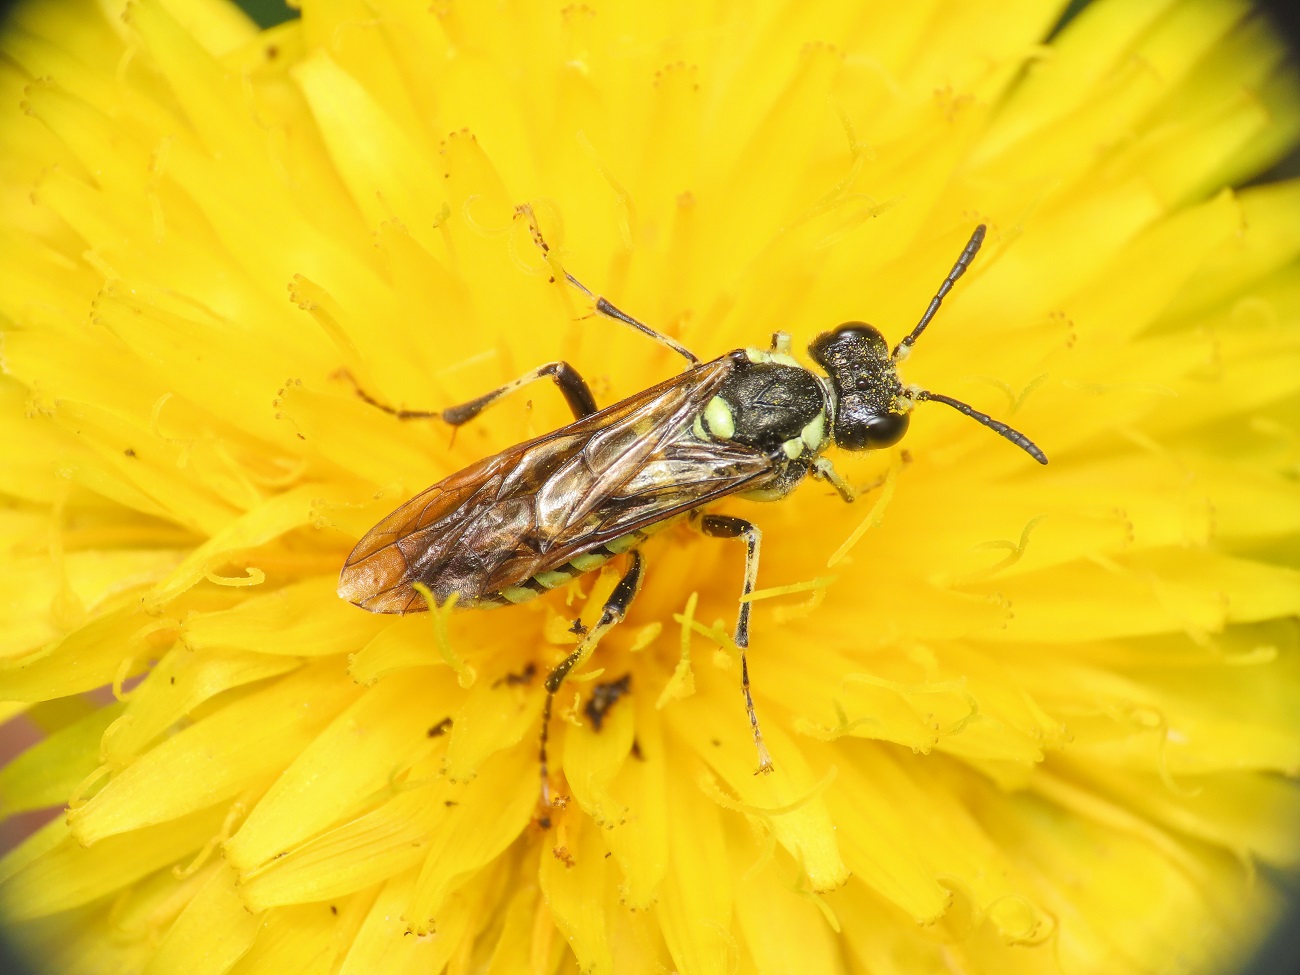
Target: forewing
635, 507
503, 519
646, 468
378, 573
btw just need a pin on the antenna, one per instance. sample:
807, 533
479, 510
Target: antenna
958, 269
997, 426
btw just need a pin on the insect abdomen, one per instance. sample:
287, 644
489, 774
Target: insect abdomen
588, 561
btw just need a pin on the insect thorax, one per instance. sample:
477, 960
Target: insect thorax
777, 407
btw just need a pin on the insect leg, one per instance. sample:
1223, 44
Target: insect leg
400, 414
613, 612
575, 389
824, 469
724, 526
603, 307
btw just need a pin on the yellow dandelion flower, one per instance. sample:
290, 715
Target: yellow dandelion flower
1022, 719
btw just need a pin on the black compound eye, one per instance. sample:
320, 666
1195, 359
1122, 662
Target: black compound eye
854, 340
868, 335
871, 431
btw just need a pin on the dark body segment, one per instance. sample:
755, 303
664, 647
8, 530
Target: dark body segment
496, 526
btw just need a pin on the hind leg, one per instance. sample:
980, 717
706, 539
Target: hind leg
611, 615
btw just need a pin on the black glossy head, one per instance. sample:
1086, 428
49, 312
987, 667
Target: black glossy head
870, 408
867, 413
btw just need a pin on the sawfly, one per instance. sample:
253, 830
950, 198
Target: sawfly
753, 422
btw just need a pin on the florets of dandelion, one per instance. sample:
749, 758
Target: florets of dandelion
1021, 718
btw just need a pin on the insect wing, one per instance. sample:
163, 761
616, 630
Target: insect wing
530, 508
378, 573
647, 468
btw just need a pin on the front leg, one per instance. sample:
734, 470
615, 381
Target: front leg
603, 306
825, 470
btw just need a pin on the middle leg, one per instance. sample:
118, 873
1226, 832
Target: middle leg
724, 526
576, 392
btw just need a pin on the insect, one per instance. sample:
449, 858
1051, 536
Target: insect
753, 422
